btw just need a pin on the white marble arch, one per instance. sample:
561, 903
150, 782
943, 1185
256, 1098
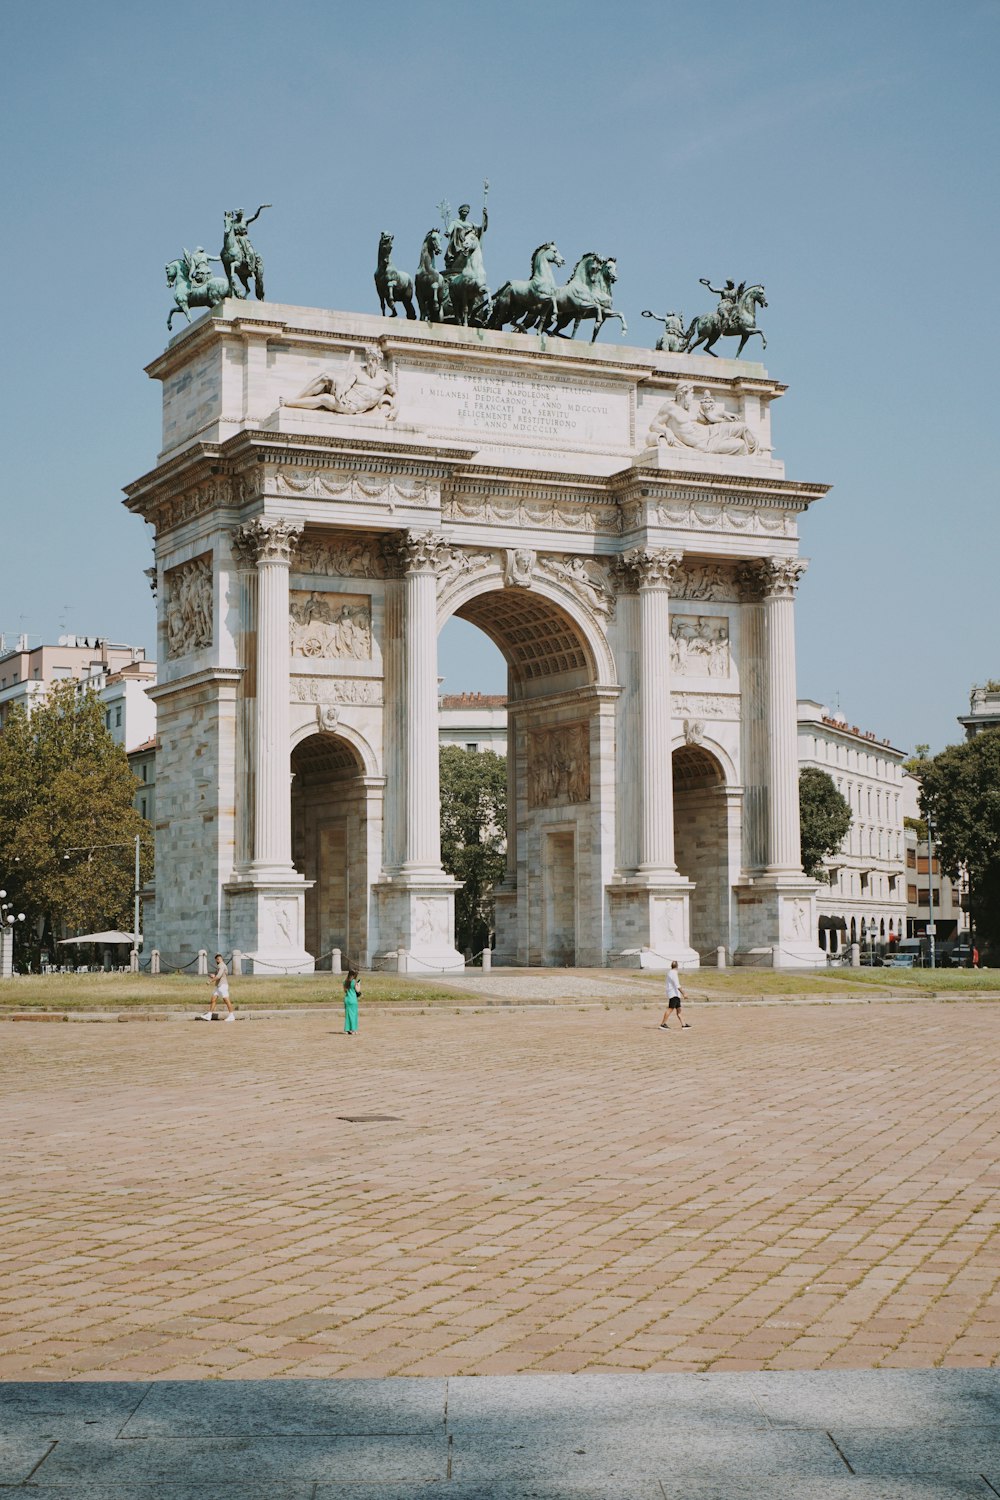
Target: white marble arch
603, 671
343, 731
513, 486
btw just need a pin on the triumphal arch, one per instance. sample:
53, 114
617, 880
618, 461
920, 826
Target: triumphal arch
333, 487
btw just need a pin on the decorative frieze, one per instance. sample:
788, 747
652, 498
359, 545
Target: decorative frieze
701, 706
699, 645
340, 557
559, 765
694, 582
360, 691
188, 605
355, 488
323, 625
594, 517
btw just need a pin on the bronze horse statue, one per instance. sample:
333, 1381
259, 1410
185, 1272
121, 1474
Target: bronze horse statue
433, 297
587, 294
392, 284
517, 302
742, 323
189, 294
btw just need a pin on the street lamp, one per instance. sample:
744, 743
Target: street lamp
9, 919
90, 849
931, 929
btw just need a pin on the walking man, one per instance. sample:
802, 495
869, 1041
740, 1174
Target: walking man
674, 997
220, 990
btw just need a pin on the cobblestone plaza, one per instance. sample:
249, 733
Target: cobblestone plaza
793, 1187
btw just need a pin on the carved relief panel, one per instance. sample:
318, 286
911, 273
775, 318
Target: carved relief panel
559, 765
188, 605
699, 645
321, 624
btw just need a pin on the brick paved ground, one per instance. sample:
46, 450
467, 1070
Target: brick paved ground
790, 1188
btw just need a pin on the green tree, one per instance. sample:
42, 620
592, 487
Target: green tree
473, 837
960, 794
824, 818
66, 786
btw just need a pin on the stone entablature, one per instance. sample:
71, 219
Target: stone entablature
644, 600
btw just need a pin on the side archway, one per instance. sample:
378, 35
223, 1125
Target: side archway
702, 844
329, 843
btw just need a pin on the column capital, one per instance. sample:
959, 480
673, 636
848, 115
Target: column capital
419, 551
264, 540
647, 568
771, 578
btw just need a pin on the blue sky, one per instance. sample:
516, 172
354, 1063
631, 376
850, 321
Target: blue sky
844, 154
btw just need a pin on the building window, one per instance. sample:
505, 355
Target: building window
472, 745
118, 717
911, 859
107, 718
145, 771
142, 806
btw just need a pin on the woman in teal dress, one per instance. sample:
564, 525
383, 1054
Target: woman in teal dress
352, 994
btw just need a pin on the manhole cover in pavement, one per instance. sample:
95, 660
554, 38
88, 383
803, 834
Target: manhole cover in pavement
366, 1119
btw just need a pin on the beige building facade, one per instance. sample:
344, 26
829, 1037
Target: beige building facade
331, 489
864, 897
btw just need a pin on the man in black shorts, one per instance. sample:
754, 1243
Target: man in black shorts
674, 997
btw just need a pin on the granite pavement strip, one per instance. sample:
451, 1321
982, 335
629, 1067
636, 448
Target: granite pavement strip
565, 1193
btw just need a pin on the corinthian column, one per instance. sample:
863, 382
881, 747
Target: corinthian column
271, 543
779, 578
654, 573
419, 553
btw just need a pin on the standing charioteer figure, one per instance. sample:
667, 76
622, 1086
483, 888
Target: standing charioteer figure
240, 260
464, 270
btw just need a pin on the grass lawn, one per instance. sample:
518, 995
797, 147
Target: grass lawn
64, 992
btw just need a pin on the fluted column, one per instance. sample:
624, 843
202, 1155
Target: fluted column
271, 543
779, 579
419, 553
654, 573
245, 559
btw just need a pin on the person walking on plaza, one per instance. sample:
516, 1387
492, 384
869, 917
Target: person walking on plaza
352, 994
674, 997
220, 991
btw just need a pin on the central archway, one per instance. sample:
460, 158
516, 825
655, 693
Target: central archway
329, 845
548, 911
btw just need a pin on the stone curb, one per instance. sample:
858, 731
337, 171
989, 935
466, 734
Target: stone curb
487, 1004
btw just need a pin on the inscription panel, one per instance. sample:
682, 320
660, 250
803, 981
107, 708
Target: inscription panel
517, 407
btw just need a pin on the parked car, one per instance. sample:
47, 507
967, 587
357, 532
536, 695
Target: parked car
961, 955
900, 961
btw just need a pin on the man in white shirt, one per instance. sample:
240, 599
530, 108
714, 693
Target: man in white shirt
220, 990
674, 997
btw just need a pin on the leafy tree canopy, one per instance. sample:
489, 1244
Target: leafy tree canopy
824, 818
65, 785
960, 794
473, 837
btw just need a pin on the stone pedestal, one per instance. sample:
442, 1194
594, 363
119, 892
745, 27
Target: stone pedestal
420, 915
777, 923
267, 923
651, 923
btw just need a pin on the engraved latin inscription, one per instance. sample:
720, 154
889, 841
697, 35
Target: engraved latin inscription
519, 407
